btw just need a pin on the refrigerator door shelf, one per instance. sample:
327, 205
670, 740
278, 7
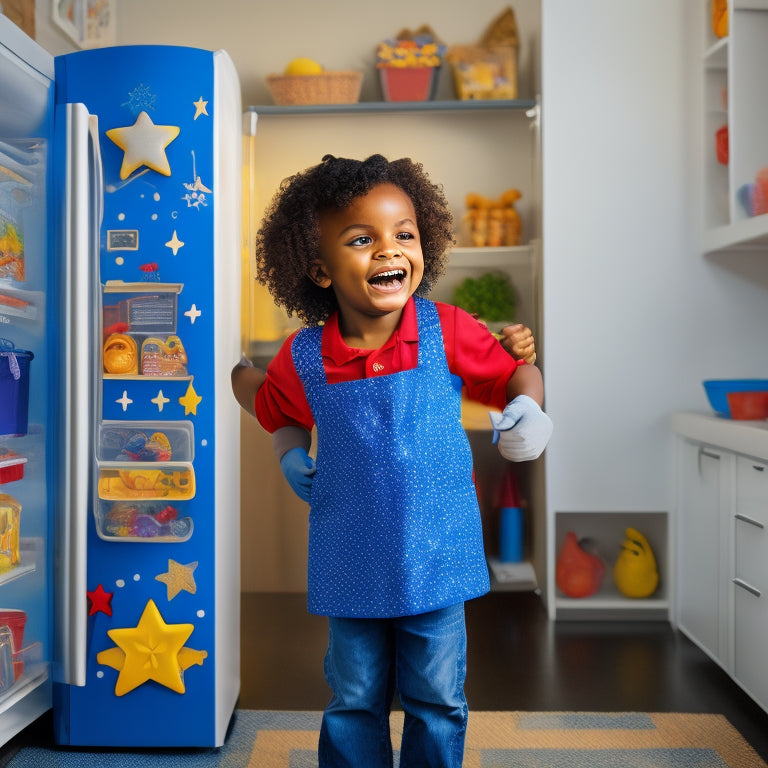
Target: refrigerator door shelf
146, 481
148, 308
142, 522
29, 672
31, 552
145, 441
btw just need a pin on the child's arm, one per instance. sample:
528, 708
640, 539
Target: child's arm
522, 430
291, 444
246, 381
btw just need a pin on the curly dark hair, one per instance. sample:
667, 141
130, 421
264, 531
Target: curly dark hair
289, 239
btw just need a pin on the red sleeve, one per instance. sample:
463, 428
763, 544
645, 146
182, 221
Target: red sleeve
281, 401
476, 357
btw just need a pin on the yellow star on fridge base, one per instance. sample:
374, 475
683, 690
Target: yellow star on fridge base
178, 577
151, 651
190, 400
144, 143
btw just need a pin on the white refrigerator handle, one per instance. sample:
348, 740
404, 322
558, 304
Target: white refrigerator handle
83, 206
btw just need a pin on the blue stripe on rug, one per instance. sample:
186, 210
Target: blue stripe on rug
584, 721
235, 753
601, 758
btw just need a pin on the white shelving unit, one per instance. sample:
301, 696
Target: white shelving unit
735, 96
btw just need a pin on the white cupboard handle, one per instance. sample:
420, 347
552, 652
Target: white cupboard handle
749, 520
748, 587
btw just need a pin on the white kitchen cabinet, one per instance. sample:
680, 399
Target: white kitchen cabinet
722, 544
750, 578
701, 609
735, 96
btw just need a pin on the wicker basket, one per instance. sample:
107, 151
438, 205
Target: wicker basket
325, 88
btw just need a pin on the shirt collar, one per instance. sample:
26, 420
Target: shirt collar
335, 349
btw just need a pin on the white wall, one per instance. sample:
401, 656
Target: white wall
635, 316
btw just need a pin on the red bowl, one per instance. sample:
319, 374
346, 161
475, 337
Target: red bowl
748, 406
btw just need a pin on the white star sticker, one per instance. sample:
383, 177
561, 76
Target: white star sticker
200, 108
160, 400
193, 313
174, 243
125, 401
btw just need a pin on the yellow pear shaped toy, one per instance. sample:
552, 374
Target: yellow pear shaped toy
635, 572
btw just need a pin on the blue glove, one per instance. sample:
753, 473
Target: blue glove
522, 430
299, 469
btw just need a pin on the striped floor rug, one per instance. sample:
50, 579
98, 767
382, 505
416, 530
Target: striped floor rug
494, 740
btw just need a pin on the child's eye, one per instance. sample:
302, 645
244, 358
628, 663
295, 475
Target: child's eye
362, 240
405, 236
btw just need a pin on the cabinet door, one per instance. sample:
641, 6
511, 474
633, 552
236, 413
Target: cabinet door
698, 530
750, 598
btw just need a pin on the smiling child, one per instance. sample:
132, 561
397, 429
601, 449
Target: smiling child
395, 540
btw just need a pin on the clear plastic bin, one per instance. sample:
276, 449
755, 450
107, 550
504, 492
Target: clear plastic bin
146, 441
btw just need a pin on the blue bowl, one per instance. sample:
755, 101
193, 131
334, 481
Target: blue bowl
717, 391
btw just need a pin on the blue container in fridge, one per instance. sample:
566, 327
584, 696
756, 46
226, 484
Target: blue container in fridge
14, 389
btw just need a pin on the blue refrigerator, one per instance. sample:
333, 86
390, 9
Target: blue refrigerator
129, 503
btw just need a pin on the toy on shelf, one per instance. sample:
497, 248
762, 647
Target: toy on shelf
120, 355
754, 197
578, 572
490, 222
721, 145
635, 572
488, 70
512, 528
163, 358
409, 65
720, 17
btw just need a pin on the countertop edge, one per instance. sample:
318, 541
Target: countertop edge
746, 437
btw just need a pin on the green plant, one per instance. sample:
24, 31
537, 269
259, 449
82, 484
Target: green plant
491, 297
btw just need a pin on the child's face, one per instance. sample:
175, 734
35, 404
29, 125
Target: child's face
371, 253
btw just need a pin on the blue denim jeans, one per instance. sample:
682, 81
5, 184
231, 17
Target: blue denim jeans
424, 659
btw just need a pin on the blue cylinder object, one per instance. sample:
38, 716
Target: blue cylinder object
511, 544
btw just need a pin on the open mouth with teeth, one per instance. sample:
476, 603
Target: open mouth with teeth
389, 280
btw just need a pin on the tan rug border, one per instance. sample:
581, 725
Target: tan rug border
500, 730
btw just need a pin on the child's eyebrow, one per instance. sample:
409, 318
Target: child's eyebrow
350, 227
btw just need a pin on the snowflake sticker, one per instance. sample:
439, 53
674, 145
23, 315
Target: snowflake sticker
140, 99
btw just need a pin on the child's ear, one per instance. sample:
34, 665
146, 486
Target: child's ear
317, 275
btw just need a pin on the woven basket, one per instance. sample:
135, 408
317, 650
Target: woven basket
325, 88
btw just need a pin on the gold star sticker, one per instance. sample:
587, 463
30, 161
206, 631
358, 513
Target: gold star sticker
149, 651
178, 577
200, 108
144, 143
174, 243
190, 401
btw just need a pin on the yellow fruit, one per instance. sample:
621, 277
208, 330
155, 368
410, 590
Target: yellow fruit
303, 66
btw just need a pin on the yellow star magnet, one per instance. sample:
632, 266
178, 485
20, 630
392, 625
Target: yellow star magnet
144, 143
152, 650
190, 400
178, 577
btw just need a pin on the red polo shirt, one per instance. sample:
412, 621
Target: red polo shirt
473, 355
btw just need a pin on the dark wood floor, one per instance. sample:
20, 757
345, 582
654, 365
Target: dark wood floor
516, 660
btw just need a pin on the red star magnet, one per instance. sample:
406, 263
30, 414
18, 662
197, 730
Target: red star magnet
100, 601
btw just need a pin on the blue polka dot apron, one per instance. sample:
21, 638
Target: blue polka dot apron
394, 525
